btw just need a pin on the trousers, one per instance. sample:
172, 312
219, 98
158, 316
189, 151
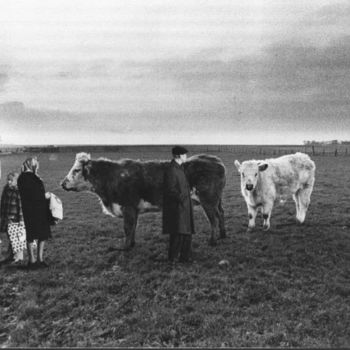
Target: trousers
180, 246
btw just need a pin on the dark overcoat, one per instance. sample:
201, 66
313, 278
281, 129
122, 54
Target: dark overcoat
177, 203
34, 206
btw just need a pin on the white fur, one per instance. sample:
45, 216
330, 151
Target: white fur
114, 210
194, 195
145, 207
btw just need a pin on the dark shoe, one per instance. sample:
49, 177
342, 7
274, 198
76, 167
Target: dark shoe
42, 264
17, 263
31, 265
171, 263
7, 260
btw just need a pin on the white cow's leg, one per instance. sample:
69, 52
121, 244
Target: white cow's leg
266, 211
252, 212
297, 205
304, 202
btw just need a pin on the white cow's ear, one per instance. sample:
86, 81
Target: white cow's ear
263, 166
82, 157
238, 165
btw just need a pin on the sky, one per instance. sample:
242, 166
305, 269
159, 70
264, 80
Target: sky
174, 71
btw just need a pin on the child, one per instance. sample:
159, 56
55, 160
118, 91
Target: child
11, 211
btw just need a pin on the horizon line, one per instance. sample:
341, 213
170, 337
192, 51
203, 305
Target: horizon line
147, 144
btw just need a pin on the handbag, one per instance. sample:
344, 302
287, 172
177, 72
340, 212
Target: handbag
55, 208
17, 235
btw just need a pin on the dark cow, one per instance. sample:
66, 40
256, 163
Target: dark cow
128, 187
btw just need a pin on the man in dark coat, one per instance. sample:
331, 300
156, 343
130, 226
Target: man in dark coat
177, 208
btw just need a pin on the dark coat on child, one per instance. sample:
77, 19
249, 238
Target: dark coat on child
11, 208
34, 206
177, 203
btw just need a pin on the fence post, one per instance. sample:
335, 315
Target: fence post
336, 152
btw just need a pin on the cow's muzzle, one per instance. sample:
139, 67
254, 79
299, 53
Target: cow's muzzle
249, 187
64, 185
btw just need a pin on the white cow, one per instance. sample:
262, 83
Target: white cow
265, 181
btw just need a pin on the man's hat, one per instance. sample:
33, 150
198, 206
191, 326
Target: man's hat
178, 150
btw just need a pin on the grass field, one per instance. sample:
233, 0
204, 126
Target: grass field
288, 287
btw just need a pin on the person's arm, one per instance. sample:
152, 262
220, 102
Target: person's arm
3, 206
19, 209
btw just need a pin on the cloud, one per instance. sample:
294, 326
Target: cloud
228, 68
4, 75
331, 14
291, 86
22, 125
102, 69
311, 61
3, 80
18, 121
16, 118
286, 67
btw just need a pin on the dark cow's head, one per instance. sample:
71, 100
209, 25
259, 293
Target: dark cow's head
76, 179
249, 171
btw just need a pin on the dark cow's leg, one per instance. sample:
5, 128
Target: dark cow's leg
212, 214
133, 232
130, 221
221, 216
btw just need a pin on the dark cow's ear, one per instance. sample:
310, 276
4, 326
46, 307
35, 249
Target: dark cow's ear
86, 168
263, 166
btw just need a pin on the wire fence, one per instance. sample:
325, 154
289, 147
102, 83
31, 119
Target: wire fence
262, 150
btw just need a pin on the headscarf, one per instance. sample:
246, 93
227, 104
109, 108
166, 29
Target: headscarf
31, 164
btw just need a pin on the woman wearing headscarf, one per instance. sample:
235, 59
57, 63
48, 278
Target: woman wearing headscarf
35, 211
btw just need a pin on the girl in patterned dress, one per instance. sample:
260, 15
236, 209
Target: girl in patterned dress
11, 211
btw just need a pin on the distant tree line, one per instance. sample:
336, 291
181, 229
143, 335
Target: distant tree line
323, 143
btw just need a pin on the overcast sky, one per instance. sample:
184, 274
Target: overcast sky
174, 71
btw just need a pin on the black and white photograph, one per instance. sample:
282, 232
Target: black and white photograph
175, 174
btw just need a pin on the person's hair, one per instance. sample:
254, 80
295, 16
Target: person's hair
176, 156
11, 175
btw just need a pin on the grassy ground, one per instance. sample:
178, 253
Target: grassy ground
289, 287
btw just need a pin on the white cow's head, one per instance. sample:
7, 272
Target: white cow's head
76, 179
249, 171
